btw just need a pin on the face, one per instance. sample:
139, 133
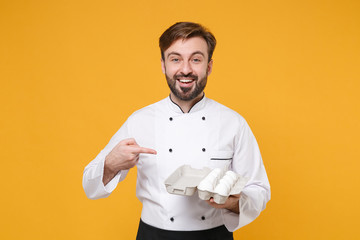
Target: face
186, 68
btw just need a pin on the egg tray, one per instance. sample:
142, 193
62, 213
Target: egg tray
185, 179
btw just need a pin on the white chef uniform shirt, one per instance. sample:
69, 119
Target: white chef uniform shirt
210, 135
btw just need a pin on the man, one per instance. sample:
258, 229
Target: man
185, 128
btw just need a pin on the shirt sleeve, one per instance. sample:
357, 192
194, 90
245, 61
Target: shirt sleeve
247, 162
94, 171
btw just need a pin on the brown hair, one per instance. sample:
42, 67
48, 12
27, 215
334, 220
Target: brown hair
186, 30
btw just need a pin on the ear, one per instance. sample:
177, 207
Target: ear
163, 66
209, 67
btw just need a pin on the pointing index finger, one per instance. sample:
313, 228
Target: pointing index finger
145, 150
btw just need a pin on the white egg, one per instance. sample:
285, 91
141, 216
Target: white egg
208, 183
222, 189
225, 182
205, 186
232, 175
211, 179
229, 179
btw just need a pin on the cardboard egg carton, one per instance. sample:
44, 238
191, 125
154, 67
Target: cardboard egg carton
185, 181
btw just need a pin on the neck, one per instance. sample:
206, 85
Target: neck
186, 105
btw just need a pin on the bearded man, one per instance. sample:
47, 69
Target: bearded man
186, 128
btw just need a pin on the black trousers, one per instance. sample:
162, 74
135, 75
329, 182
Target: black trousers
147, 232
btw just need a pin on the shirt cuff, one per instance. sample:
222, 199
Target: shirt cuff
234, 221
110, 186
231, 220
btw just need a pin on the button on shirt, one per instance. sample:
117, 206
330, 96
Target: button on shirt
210, 135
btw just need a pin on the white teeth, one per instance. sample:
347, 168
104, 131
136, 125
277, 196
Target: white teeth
185, 80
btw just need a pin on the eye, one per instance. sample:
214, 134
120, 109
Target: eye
175, 60
196, 60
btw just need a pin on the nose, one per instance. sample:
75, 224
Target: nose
186, 68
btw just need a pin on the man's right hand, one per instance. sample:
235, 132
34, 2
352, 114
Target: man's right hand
124, 156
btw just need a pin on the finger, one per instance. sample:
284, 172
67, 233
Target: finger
128, 141
235, 196
146, 150
212, 203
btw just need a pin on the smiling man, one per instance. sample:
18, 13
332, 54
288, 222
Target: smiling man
186, 65
184, 128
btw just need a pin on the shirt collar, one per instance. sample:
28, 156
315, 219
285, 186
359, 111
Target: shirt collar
197, 106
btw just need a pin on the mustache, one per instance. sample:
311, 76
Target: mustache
186, 76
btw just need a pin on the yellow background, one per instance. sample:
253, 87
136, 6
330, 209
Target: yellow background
72, 72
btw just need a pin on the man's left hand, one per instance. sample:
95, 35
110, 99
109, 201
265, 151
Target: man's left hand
232, 203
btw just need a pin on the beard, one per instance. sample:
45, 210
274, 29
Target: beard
186, 93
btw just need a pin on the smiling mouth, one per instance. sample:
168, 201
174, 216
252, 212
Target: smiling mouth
185, 80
